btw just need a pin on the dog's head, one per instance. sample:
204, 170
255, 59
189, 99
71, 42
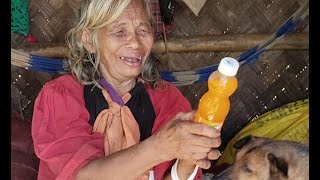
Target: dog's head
260, 158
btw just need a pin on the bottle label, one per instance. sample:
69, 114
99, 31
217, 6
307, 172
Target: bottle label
199, 119
215, 125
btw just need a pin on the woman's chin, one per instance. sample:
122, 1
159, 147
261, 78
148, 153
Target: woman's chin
132, 72
132, 69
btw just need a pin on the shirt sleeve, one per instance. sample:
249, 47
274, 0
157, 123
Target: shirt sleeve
167, 101
62, 136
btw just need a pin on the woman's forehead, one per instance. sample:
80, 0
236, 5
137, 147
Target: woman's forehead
135, 9
134, 13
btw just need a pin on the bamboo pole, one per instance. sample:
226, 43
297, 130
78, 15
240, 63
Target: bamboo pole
225, 42
51, 50
230, 42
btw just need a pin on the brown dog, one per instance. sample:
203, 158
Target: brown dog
260, 158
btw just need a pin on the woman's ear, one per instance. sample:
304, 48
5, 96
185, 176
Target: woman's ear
87, 40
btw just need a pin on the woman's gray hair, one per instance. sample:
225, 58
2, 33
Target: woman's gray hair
92, 15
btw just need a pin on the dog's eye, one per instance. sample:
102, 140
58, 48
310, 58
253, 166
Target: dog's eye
246, 169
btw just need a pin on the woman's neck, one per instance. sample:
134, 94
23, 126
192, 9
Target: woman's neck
120, 83
121, 87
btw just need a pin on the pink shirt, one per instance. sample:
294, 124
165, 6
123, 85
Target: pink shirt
63, 138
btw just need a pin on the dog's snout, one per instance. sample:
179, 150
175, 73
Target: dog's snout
224, 175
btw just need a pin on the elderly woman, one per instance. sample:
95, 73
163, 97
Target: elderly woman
113, 118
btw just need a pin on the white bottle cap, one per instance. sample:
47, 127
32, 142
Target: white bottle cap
228, 66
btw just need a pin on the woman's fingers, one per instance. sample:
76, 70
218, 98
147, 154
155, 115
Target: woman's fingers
205, 141
204, 163
198, 153
198, 147
203, 130
185, 116
213, 154
182, 138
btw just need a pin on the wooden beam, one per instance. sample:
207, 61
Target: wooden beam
225, 42
51, 50
230, 42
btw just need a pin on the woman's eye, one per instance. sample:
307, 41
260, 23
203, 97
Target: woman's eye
119, 32
143, 31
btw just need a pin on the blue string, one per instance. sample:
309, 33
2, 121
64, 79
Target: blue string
46, 64
248, 53
287, 27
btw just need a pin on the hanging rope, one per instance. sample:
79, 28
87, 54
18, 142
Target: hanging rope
178, 78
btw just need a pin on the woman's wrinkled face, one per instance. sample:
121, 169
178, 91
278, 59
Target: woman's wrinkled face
125, 44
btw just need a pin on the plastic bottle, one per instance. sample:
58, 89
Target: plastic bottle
214, 105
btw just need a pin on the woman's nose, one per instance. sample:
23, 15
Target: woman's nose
133, 41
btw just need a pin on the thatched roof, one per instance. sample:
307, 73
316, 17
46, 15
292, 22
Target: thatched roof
277, 77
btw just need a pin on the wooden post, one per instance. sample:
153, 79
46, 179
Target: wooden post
224, 42
230, 42
50, 50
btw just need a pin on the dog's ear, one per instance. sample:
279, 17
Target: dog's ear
243, 141
277, 165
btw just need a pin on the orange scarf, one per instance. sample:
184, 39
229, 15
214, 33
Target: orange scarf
118, 126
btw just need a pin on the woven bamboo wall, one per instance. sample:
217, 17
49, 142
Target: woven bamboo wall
276, 78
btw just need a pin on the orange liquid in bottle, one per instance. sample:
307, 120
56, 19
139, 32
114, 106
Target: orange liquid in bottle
214, 105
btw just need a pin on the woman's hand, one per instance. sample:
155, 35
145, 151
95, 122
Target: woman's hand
183, 139
204, 163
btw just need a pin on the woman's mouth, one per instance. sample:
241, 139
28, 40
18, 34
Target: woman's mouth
131, 60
